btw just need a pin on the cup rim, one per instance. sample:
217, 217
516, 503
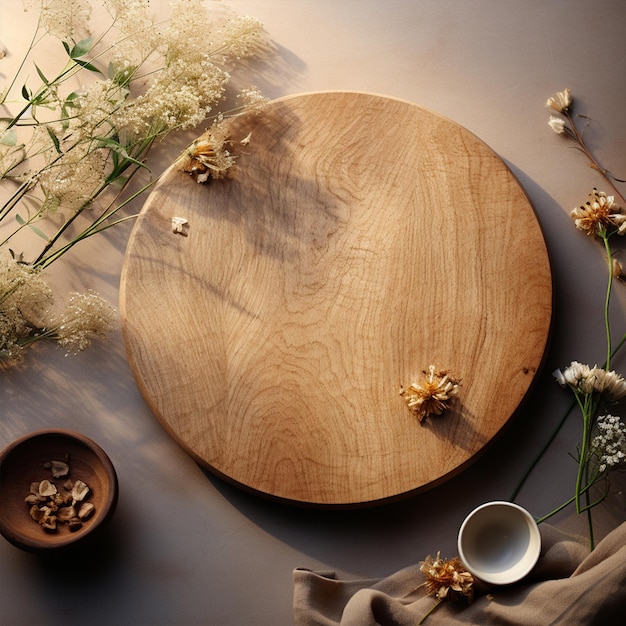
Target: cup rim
512, 574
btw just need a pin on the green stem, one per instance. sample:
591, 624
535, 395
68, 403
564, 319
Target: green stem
587, 410
555, 432
555, 511
607, 299
97, 226
543, 450
431, 610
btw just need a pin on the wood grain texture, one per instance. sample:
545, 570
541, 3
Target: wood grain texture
358, 240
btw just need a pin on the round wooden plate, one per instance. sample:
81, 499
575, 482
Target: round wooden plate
359, 240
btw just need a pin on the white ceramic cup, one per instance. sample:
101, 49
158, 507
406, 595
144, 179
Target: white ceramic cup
499, 542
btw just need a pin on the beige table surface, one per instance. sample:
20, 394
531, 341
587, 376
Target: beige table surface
186, 548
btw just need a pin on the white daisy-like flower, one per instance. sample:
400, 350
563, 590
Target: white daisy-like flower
561, 101
572, 375
557, 124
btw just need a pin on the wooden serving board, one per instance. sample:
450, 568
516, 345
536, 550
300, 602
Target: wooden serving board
359, 240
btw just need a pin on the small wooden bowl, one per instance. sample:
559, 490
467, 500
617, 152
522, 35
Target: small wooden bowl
24, 462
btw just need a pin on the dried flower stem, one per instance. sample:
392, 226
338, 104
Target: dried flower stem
430, 611
591, 387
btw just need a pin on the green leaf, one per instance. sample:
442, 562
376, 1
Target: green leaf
25, 93
42, 76
9, 137
87, 66
119, 149
54, 139
68, 104
81, 48
22, 222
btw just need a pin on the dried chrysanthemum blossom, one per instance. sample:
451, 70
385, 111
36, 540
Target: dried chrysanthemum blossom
610, 384
431, 395
86, 316
447, 579
599, 213
207, 157
561, 101
609, 444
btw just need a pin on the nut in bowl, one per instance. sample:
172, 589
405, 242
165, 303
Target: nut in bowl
499, 542
56, 488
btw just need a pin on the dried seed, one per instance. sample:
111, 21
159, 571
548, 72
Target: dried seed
59, 468
66, 513
86, 510
79, 491
48, 506
36, 513
46, 488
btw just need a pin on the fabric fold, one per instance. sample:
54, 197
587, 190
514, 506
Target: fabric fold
569, 585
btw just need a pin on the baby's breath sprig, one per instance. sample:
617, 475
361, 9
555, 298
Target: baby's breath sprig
603, 443
72, 160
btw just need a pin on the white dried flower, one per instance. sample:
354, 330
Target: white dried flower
610, 442
592, 380
252, 98
557, 124
239, 38
65, 19
561, 101
610, 384
572, 375
137, 35
86, 317
24, 299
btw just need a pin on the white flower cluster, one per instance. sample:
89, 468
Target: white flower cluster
66, 19
610, 442
26, 314
588, 380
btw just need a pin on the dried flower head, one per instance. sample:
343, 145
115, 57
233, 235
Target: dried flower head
447, 579
590, 380
87, 316
572, 374
65, 19
561, 101
598, 214
557, 124
207, 157
24, 298
610, 384
610, 443
431, 394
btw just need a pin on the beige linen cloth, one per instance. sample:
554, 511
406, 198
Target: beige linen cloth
569, 585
